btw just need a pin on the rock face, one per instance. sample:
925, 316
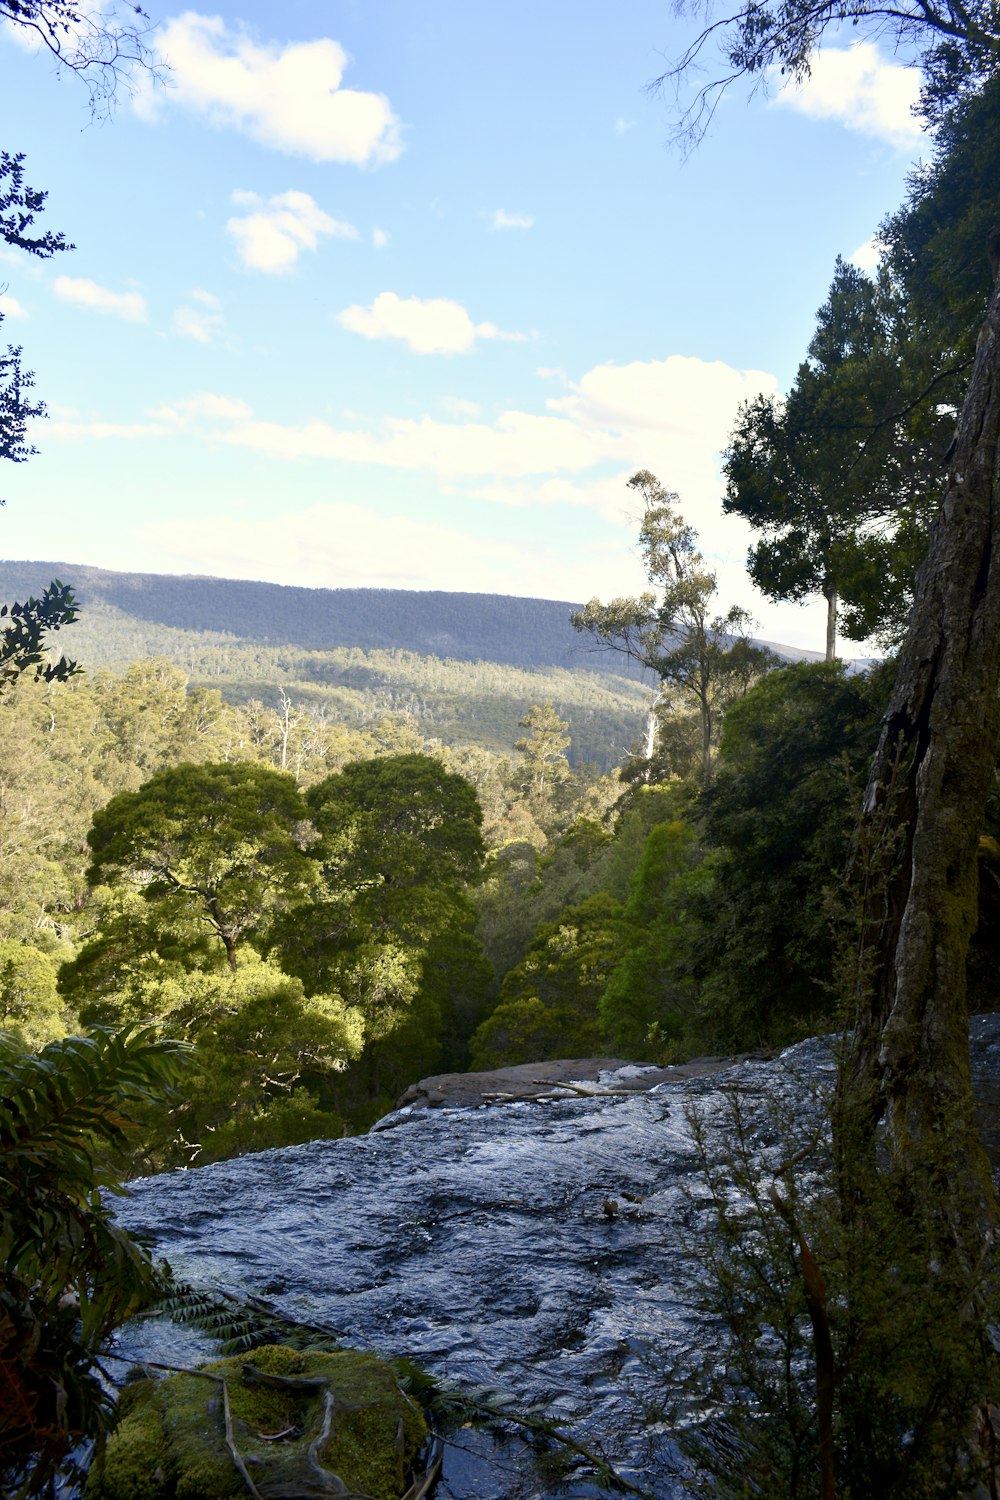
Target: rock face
548, 1249
545, 1080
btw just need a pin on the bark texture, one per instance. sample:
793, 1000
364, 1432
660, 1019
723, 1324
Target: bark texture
919, 829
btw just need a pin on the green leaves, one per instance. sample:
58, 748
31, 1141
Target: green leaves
22, 639
69, 1274
220, 842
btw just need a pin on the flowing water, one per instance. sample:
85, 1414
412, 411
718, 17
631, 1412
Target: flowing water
547, 1250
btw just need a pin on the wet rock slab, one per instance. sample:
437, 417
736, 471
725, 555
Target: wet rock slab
580, 1075
546, 1248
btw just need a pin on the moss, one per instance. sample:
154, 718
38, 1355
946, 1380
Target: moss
177, 1430
136, 1464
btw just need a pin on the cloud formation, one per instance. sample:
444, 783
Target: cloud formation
333, 546
83, 293
501, 219
866, 257
10, 307
858, 89
288, 97
202, 321
431, 325
272, 233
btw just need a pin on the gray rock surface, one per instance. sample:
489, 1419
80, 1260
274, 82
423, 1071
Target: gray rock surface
479, 1242
579, 1075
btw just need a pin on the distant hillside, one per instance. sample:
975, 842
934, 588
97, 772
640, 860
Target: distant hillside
463, 667
464, 627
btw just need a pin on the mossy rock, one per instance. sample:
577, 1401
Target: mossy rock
170, 1442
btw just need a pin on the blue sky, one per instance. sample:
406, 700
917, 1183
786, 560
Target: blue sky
374, 293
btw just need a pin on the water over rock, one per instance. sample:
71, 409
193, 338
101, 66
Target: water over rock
546, 1248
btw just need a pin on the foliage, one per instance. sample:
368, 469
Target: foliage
780, 814
220, 842
843, 474
103, 48
709, 660
651, 998
258, 1042
70, 1275
30, 1011
824, 1311
22, 641
959, 48
548, 1003
935, 242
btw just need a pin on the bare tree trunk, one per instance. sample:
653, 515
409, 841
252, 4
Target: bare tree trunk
830, 594
915, 860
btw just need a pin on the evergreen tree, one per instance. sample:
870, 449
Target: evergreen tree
842, 475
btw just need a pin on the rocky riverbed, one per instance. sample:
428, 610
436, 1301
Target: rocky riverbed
546, 1247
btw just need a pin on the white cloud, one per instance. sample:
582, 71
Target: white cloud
83, 293
379, 238
623, 126
206, 404
867, 256
432, 325
858, 89
10, 307
272, 234
71, 431
202, 322
343, 546
459, 406
287, 97
517, 444
673, 416
501, 219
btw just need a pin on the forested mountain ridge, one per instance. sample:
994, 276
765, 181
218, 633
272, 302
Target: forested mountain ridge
464, 627
463, 667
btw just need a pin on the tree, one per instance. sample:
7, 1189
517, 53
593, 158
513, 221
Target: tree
19, 205
837, 476
390, 824
96, 46
778, 820
958, 47
218, 842
650, 999
397, 840
543, 763
915, 864
548, 1003
21, 641
673, 636
30, 1011
69, 1275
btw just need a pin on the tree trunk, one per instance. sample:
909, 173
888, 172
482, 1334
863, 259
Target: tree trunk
830, 595
915, 858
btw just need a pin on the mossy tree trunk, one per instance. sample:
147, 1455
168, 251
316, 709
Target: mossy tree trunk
917, 844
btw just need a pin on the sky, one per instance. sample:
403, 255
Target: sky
368, 293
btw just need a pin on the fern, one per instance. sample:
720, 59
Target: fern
69, 1274
238, 1323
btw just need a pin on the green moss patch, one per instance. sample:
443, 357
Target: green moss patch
170, 1443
